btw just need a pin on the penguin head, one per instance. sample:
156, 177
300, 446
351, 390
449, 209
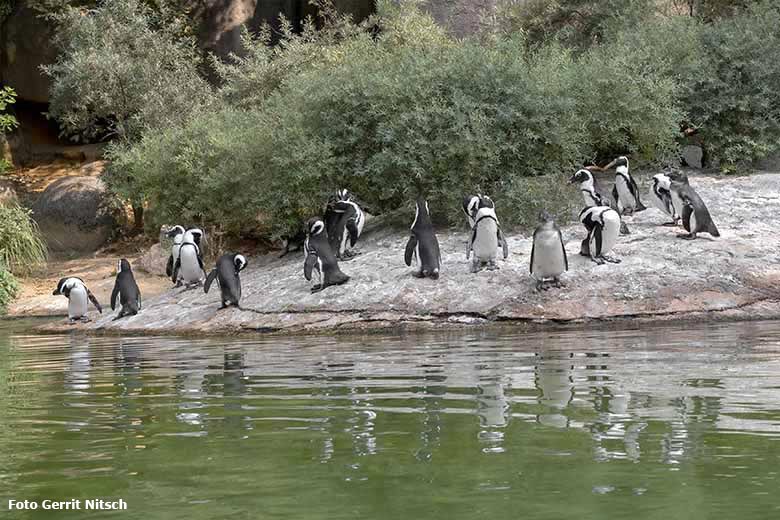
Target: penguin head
315, 226
544, 217
343, 195
197, 235
620, 161
240, 262
583, 176
486, 202
471, 204
662, 180
678, 176
65, 285
123, 266
175, 231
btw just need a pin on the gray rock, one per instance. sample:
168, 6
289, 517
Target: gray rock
660, 278
154, 260
73, 215
771, 163
693, 155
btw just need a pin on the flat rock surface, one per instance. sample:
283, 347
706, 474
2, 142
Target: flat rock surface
661, 277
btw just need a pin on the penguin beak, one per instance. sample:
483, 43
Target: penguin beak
610, 165
573, 179
55, 292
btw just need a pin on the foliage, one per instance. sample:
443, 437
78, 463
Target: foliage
9, 289
7, 121
21, 244
124, 69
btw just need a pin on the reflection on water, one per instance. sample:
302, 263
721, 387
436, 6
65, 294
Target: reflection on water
675, 422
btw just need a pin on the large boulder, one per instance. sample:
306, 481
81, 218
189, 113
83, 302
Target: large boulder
73, 214
26, 44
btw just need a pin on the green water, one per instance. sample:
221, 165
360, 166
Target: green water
659, 423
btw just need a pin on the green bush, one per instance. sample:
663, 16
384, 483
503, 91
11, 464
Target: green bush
21, 246
9, 289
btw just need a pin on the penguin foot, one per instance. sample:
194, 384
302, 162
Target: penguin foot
624, 228
557, 283
418, 274
492, 266
669, 224
539, 285
71, 321
611, 259
317, 288
599, 260
687, 236
434, 275
84, 319
474, 267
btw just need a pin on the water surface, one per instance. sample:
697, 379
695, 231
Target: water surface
660, 423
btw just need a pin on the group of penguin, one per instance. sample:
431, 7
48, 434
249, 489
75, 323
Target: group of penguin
332, 238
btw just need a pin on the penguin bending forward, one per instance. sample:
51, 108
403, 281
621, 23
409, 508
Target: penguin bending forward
345, 221
226, 274
603, 225
126, 289
189, 265
77, 294
625, 191
593, 196
177, 234
486, 237
319, 257
661, 197
548, 253
694, 213
423, 244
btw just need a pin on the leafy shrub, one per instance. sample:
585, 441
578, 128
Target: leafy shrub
7, 121
21, 244
9, 289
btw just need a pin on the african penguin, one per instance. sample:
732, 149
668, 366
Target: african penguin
423, 244
345, 220
661, 197
189, 266
77, 294
470, 207
486, 237
126, 290
691, 208
603, 225
548, 253
592, 194
226, 274
625, 191
177, 234
319, 257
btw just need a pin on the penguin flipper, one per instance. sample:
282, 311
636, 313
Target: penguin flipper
563, 250
597, 235
176, 268
209, 280
531, 265
114, 295
686, 217
308, 265
635, 192
410, 247
169, 267
470, 243
94, 301
504, 245
615, 196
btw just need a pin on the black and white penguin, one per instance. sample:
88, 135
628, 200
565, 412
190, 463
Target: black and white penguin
188, 268
345, 220
226, 275
319, 257
548, 253
77, 294
625, 191
470, 207
126, 291
691, 208
423, 244
177, 234
661, 197
603, 225
486, 238
593, 196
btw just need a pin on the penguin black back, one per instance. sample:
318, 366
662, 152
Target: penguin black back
125, 291
320, 257
226, 273
423, 243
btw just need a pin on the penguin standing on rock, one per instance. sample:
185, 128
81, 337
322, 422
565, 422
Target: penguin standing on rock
189, 265
319, 257
126, 290
226, 275
603, 225
177, 234
77, 294
345, 220
689, 205
661, 197
486, 237
470, 208
423, 243
548, 253
625, 191
593, 196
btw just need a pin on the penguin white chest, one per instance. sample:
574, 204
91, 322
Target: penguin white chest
692, 225
658, 202
190, 267
77, 302
625, 197
486, 241
548, 256
677, 203
610, 231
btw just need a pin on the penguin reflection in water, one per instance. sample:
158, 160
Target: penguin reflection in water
77, 294
423, 244
548, 254
603, 225
689, 205
486, 237
126, 291
319, 257
226, 275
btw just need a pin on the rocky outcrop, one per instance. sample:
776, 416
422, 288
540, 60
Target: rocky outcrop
73, 216
660, 278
